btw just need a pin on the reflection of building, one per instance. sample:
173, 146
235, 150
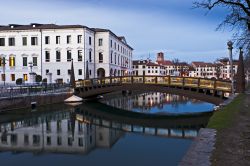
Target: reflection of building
144, 101
60, 136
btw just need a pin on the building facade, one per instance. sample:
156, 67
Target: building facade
48, 49
146, 67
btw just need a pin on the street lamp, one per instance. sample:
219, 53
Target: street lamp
31, 66
230, 49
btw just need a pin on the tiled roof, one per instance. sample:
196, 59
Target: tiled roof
165, 63
202, 64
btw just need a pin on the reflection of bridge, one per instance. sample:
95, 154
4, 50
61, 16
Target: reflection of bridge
207, 89
86, 127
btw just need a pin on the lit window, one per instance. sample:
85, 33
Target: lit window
3, 77
12, 61
12, 76
25, 77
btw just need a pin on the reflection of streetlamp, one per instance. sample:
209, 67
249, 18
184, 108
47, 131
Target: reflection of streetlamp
230, 49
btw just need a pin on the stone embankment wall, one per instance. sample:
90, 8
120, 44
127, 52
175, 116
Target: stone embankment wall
25, 101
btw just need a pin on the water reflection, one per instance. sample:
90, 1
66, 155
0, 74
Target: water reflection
156, 102
82, 129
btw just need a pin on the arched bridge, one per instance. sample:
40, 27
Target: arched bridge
209, 90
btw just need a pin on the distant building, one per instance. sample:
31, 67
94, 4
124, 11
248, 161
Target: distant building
146, 67
204, 70
225, 69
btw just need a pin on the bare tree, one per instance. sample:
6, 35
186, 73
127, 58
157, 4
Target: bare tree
237, 18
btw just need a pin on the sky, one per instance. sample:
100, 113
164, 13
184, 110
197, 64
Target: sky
150, 26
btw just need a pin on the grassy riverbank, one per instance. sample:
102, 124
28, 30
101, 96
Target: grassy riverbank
224, 118
233, 132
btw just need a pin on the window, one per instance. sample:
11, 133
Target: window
58, 56
47, 40
100, 42
25, 77
70, 141
79, 55
69, 72
26, 139
115, 45
111, 43
59, 140
111, 56
58, 39
48, 140
69, 55
34, 59
47, 71
25, 43
89, 72
89, 40
69, 39
12, 76
80, 141
12, 62
25, 61
47, 56
90, 56
3, 77
34, 41
79, 39
11, 41
2, 41
100, 57
36, 140
58, 72
80, 72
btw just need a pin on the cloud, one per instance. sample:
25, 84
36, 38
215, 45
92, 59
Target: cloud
171, 27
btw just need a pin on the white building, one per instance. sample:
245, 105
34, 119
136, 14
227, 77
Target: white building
146, 67
225, 70
48, 49
204, 70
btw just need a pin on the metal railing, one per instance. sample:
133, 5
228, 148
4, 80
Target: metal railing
29, 90
190, 82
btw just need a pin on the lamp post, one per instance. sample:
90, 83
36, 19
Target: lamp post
230, 49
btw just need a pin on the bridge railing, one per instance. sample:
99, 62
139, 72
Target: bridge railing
191, 82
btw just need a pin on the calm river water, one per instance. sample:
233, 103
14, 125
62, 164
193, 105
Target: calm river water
120, 130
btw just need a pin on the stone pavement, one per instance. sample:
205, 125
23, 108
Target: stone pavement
201, 149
